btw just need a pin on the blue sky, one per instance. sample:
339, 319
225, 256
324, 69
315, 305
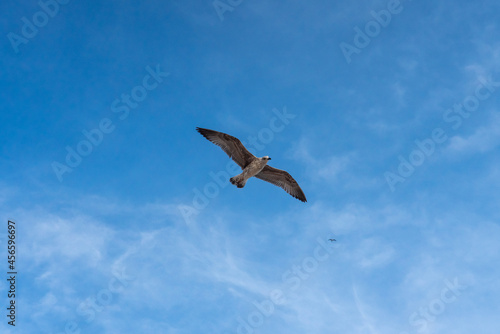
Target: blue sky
385, 112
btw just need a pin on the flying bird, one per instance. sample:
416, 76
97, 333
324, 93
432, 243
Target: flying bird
332, 240
251, 165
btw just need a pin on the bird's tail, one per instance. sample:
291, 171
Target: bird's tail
238, 180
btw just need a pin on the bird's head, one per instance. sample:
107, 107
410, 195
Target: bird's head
266, 158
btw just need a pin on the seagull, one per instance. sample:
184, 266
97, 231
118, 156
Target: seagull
251, 165
332, 240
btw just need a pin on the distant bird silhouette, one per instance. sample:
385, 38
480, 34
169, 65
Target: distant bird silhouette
332, 240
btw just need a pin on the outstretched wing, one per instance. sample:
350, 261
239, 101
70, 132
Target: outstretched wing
229, 144
282, 179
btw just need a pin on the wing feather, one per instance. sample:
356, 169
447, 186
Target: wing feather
229, 144
283, 180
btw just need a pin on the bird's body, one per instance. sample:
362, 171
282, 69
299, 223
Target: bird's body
251, 165
253, 168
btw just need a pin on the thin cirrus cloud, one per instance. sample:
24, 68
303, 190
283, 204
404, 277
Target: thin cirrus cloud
202, 254
484, 139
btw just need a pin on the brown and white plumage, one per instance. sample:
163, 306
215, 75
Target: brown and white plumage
251, 165
229, 144
282, 179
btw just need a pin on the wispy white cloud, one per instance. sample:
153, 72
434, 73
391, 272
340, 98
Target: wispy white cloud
320, 168
484, 139
177, 266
